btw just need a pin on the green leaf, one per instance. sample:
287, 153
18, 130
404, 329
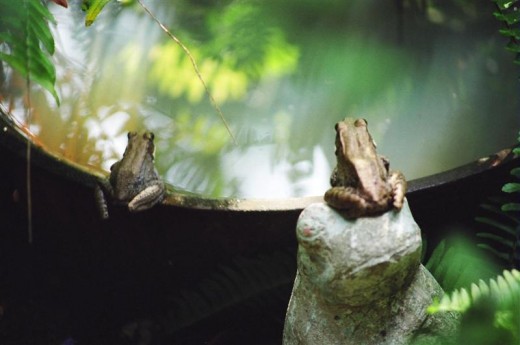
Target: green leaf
511, 32
93, 8
513, 46
510, 207
495, 252
499, 239
511, 187
505, 4
504, 289
510, 18
24, 29
496, 224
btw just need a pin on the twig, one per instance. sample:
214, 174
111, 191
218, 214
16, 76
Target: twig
195, 67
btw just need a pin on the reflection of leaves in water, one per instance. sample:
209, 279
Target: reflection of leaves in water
178, 81
244, 35
242, 49
190, 157
310, 61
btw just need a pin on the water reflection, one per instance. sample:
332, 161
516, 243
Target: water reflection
434, 82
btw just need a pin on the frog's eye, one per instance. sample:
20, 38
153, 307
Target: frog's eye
148, 136
131, 134
361, 122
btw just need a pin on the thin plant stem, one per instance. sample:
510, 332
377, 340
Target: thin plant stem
195, 67
28, 164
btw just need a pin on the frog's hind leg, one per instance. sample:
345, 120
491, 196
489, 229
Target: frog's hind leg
346, 199
398, 183
147, 198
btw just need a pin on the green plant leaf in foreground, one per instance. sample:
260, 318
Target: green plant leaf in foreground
511, 187
505, 4
25, 32
505, 290
93, 8
510, 207
490, 310
508, 13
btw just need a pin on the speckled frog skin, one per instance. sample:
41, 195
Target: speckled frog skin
362, 184
133, 181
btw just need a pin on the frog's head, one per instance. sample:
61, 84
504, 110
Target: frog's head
140, 143
353, 140
354, 149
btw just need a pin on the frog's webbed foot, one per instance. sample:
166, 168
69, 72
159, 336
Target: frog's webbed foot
147, 198
398, 183
347, 200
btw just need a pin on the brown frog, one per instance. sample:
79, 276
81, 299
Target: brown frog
133, 181
362, 184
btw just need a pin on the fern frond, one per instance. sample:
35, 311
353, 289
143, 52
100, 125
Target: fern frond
456, 263
511, 187
505, 228
498, 210
504, 290
503, 240
246, 282
511, 207
501, 235
508, 13
28, 42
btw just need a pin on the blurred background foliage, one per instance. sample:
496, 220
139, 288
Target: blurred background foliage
283, 73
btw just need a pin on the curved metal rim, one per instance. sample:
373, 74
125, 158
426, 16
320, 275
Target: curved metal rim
12, 138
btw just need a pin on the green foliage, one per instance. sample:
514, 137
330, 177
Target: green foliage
456, 263
513, 187
505, 289
509, 14
251, 41
27, 41
499, 236
93, 9
242, 48
500, 298
502, 238
490, 311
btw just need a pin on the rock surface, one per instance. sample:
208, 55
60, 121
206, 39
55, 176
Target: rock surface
360, 282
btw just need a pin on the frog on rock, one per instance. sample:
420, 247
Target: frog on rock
362, 184
133, 181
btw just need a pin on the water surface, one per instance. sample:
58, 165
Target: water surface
434, 82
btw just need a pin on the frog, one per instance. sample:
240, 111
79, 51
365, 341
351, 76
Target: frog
362, 183
134, 180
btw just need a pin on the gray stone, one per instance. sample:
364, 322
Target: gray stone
360, 282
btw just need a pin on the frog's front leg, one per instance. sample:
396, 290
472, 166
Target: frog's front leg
147, 198
398, 183
101, 190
